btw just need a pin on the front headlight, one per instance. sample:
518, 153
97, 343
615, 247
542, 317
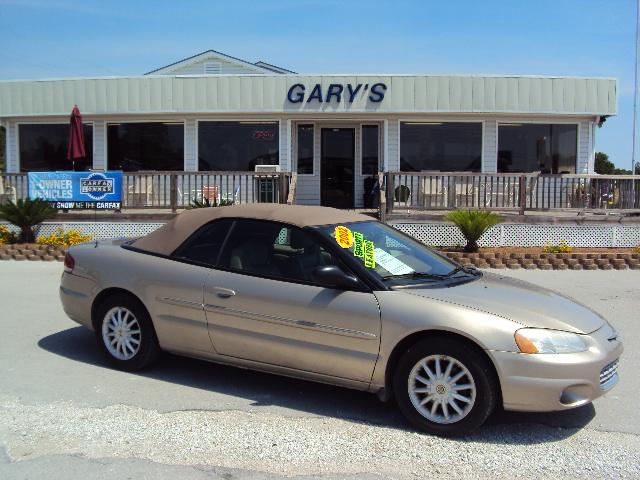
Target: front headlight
538, 340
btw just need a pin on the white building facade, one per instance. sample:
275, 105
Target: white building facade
217, 113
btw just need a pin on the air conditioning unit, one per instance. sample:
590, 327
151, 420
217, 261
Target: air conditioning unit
267, 168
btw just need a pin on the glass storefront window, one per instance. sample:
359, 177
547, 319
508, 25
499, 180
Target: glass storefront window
237, 146
547, 148
305, 149
145, 146
444, 147
370, 150
43, 147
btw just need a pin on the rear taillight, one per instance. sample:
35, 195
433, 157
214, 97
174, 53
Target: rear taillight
69, 263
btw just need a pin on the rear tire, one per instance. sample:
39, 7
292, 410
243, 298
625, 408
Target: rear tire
444, 387
125, 333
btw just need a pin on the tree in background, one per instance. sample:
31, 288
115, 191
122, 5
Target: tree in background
604, 166
3, 167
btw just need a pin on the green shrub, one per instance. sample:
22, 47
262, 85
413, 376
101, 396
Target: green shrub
206, 203
473, 224
26, 214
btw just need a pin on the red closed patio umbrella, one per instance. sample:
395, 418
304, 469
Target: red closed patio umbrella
75, 148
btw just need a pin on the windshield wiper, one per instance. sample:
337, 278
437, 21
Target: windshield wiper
461, 268
415, 275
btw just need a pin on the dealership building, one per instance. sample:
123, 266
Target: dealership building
214, 112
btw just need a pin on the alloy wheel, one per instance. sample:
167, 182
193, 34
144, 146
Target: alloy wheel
441, 389
121, 333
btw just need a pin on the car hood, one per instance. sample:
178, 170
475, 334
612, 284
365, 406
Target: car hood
519, 301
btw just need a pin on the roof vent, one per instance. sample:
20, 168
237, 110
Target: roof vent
211, 68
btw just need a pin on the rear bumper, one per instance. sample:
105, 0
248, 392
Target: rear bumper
76, 295
548, 382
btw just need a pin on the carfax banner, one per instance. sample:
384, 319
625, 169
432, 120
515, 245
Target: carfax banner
77, 190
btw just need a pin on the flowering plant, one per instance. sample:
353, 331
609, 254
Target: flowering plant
60, 238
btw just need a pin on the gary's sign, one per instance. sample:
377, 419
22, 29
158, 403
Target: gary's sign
336, 92
77, 190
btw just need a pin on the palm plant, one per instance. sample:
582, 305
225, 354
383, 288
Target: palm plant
26, 214
473, 224
206, 203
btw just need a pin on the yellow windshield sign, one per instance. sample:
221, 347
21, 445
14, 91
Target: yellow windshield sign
358, 244
344, 237
369, 254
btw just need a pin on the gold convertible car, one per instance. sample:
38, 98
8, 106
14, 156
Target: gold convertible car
337, 297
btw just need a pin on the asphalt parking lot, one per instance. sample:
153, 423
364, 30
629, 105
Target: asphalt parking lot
65, 415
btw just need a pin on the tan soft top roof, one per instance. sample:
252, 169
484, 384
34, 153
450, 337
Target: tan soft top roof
170, 236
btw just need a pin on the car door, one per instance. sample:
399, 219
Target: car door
262, 305
175, 287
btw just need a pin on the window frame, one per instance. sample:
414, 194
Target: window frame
539, 122
279, 121
60, 122
379, 153
352, 267
443, 121
313, 148
173, 255
112, 121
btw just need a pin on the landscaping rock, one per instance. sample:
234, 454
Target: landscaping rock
591, 266
530, 266
621, 266
546, 266
48, 258
561, 266
575, 266
513, 266
5, 256
18, 256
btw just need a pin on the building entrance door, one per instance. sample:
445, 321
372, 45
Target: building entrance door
337, 167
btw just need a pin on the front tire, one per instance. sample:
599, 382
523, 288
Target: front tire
125, 333
444, 387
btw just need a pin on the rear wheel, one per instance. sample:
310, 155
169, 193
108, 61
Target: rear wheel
125, 333
444, 387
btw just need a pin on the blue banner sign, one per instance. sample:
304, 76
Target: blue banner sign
77, 190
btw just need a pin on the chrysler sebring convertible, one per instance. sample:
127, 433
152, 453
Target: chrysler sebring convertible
337, 297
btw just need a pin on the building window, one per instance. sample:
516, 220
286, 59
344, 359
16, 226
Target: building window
305, 149
444, 147
370, 149
145, 146
43, 147
546, 148
237, 146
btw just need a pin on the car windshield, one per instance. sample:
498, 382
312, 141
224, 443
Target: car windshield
391, 255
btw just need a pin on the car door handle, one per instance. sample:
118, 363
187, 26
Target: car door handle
223, 292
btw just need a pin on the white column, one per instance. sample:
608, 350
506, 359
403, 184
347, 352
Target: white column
100, 145
11, 148
190, 145
489, 146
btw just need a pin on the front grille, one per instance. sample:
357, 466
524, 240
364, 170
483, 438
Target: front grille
609, 374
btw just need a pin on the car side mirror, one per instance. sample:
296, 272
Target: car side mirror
333, 276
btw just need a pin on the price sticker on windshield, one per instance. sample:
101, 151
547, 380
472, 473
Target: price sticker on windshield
369, 254
358, 244
344, 236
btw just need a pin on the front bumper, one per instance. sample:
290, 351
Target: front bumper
551, 382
